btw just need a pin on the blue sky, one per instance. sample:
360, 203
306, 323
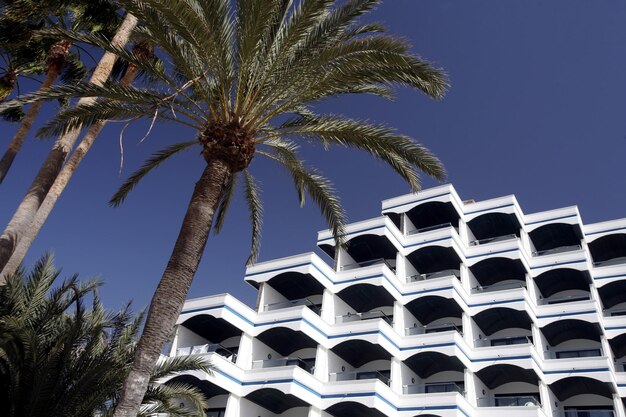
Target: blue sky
537, 109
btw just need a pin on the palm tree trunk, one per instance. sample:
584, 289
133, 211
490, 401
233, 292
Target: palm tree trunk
170, 295
27, 123
59, 185
25, 213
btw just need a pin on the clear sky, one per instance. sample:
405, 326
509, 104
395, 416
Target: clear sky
537, 109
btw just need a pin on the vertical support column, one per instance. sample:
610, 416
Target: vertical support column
618, 406
233, 406
526, 244
548, 400
532, 289
463, 234
466, 282
469, 332
400, 268
260, 299
328, 306
321, 364
244, 357
398, 318
174, 345
314, 412
396, 375
471, 392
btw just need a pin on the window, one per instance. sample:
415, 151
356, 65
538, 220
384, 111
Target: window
215, 412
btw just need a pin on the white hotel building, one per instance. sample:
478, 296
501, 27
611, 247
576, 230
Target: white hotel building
437, 308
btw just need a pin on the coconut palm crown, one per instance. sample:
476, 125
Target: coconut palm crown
245, 75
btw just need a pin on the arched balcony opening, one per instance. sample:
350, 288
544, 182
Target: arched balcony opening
431, 216
555, 238
503, 326
352, 409
284, 347
434, 314
583, 397
367, 250
215, 396
507, 386
433, 372
563, 285
205, 334
274, 401
434, 262
613, 297
568, 339
609, 250
618, 346
493, 227
357, 360
494, 274
366, 302
294, 289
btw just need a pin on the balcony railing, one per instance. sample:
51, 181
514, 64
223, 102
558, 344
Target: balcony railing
510, 401
274, 363
570, 354
379, 261
428, 229
609, 262
565, 299
439, 274
294, 303
615, 312
504, 341
554, 251
432, 388
359, 375
206, 349
512, 236
585, 413
376, 314
437, 328
499, 286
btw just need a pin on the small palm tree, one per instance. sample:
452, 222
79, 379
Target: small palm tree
245, 76
59, 359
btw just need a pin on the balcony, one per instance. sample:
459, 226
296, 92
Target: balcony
380, 261
503, 238
437, 328
316, 307
565, 299
585, 413
360, 375
206, 349
377, 314
609, 262
307, 365
560, 249
569, 354
503, 341
614, 312
500, 286
509, 401
432, 388
428, 229
445, 273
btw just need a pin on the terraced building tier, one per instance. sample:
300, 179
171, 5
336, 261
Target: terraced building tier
437, 308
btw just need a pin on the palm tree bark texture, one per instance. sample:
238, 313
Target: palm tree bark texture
27, 209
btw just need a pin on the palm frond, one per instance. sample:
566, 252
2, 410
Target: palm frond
253, 198
224, 205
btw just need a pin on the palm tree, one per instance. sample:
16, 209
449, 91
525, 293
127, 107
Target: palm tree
58, 358
77, 15
49, 170
245, 77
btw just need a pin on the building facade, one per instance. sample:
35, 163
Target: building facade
437, 308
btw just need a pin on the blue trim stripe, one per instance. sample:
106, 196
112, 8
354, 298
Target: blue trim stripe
277, 269
551, 220
605, 231
353, 233
611, 276
549, 316
492, 253
487, 209
416, 201
559, 264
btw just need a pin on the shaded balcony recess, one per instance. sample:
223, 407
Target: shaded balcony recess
208, 389
565, 299
366, 297
377, 314
383, 376
390, 263
433, 388
500, 318
427, 364
600, 412
576, 353
286, 341
504, 341
618, 345
352, 409
613, 294
563, 330
555, 235
307, 364
211, 328
490, 226
430, 308
428, 229
431, 259
510, 401
496, 375
485, 241
206, 349
560, 249
562, 279
500, 286
432, 214
316, 307
295, 285
274, 400
608, 250
359, 352
423, 277
437, 328
365, 248
493, 270
572, 386
614, 312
